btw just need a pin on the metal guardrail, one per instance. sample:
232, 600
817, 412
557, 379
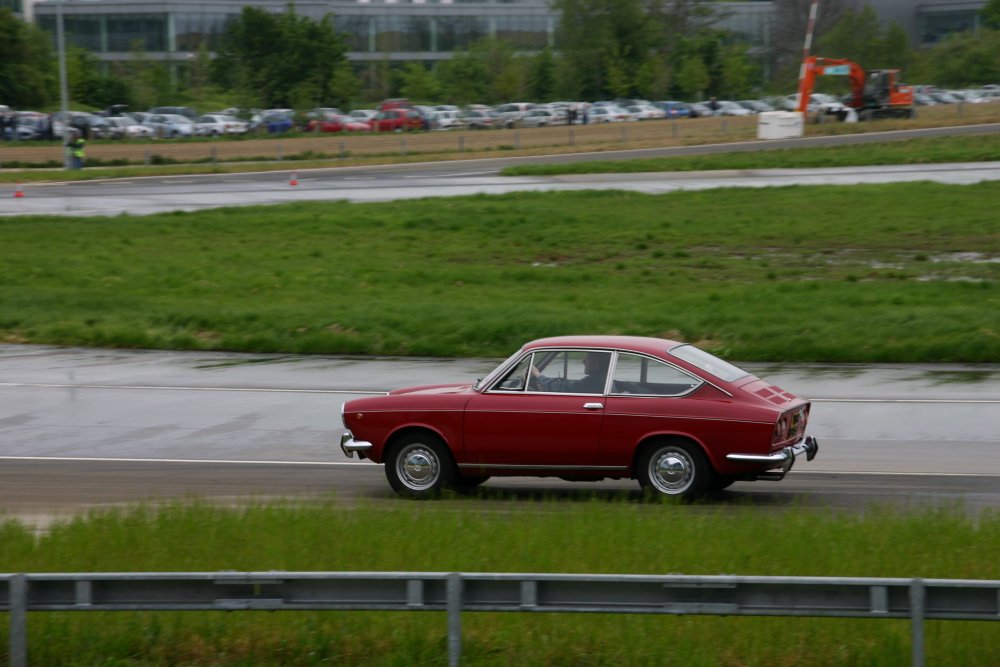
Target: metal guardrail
454, 593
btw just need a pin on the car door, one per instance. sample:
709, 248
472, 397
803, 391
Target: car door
516, 424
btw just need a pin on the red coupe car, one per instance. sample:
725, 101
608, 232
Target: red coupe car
674, 417
335, 123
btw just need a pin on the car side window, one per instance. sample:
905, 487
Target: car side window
636, 374
516, 378
570, 372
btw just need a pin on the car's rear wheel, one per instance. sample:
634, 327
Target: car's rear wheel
675, 468
418, 466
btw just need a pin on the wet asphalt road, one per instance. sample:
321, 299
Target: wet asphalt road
140, 196
82, 428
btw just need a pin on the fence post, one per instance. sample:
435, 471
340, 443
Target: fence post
454, 592
343, 150
674, 128
146, 158
624, 138
572, 136
461, 144
918, 598
278, 152
215, 154
402, 146
18, 621
517, 139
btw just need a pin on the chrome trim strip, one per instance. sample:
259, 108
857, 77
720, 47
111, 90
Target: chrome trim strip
809, 446
512, 466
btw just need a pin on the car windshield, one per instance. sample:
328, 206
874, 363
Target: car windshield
709, 363
482, 382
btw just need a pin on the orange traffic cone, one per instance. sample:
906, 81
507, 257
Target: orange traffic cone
18, 192
294, 178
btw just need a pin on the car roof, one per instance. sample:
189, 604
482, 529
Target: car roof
636, 343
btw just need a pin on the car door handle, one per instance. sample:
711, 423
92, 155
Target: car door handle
593, 406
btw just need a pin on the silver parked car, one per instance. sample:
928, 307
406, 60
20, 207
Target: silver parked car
215, 125
170, 125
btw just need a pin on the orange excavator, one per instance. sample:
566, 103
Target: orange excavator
875, 93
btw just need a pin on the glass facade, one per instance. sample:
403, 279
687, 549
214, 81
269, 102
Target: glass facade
933, 26
398, 28
104, 33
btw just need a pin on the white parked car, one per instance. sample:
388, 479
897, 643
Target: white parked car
446, 120
542, 118
646, 112
170, 125
363, 115
728, 108
607, 114
215, 125
130, 127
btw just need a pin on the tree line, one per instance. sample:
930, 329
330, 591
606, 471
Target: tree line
654, 49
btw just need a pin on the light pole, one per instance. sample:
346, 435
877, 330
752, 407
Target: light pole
63, 86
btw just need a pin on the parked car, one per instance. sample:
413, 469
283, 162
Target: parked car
607, 114
674, 109
398, 120
216, 125
26, 125
273, 121
338, 123
130, 128
170, 125
364, 115
476, 119
446, 120
512, 112
542, 118
756, 106
679, 420
646, 112
187, 112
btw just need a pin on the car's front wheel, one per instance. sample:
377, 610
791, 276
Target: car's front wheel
418, 466
674, 468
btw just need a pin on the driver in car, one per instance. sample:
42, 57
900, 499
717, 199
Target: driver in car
595, 368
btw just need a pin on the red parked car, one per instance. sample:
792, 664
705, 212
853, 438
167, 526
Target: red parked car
674, 417
335, 123
397, 120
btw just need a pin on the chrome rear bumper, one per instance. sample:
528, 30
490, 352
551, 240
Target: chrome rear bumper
785, 458
349, 445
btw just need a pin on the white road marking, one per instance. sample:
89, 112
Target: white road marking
46, 385
39, 385
98, 459
340, 464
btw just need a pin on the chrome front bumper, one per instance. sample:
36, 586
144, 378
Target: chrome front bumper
349, 445
785, 458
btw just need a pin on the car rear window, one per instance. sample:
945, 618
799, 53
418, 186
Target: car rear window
709, 363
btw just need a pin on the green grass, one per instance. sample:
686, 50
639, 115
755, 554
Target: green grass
597, 535
979, 148
839, 274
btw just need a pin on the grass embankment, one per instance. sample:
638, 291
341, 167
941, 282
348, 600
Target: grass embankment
899, 273
596, 536
979, 148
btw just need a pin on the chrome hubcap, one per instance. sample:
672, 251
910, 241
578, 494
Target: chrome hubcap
418, 467
671, 471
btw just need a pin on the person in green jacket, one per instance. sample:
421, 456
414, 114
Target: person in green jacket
76, 151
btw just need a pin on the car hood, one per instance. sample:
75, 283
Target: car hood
433, 389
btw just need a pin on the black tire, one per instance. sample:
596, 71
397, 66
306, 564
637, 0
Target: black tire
419, 466
675, 468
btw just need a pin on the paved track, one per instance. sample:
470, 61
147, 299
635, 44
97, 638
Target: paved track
82, 428
466, 177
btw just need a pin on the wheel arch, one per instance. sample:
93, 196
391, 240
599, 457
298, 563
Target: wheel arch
416, 429
653, 439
